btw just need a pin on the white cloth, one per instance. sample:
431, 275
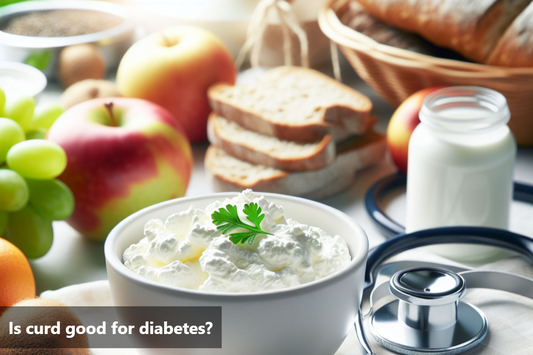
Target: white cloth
510, 316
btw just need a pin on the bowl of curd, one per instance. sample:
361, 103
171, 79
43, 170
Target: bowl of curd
292, 288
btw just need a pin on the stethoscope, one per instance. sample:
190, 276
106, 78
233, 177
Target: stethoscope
419, 310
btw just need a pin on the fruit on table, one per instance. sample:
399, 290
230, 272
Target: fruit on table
20, 110
3, 221
174, 68
32, 204
16, 278
14, 192
36, 134
123, 155
87, 90
402, 124
24, 116
10, 134
39, 311
2, 102
44, 116
80, 62
30, 232
28, 206
37, 159
51, 199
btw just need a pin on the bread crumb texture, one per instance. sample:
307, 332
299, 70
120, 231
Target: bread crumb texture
294, 95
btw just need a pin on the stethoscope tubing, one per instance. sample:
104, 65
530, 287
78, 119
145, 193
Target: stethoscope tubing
389, 227
401, 242
445, 235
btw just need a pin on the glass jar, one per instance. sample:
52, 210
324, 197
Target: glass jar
460, 166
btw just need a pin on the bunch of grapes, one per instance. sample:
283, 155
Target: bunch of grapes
30, 196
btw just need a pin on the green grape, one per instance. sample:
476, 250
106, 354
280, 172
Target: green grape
31, 233
3, 222
37, 159
20, 110
52, 199
2, 101
36, 134
45, 115
14, 192
10, 134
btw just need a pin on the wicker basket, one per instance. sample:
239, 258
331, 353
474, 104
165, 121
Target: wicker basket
397, 73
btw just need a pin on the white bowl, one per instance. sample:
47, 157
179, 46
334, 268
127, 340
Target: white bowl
112, 43
18, 79
313, 318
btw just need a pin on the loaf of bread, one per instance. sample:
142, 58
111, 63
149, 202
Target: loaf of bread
228, 173
357, 18
472, 28
255, 148
515, 48
294, 103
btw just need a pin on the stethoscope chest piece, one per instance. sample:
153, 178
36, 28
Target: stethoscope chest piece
419, 311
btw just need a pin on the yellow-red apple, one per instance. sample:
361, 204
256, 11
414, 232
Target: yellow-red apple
402, 124
123, 155
173, 68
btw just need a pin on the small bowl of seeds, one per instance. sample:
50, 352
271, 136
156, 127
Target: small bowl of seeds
44, 33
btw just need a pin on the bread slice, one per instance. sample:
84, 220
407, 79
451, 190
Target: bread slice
230, 174
256, 148
294, 104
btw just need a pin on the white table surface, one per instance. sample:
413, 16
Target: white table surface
74, 260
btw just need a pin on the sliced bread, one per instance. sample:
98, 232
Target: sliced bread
231, 174
294, 103
256, 148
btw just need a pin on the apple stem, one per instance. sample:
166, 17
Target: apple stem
165, 39
109, 107
168, 42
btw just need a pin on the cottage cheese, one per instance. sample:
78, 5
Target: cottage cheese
187, 251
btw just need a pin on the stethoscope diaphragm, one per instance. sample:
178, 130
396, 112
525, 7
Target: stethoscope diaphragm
419, 312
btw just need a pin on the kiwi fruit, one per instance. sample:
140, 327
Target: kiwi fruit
87, 90
41, 312
79, 62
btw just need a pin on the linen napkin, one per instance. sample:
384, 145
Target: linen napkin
510, 316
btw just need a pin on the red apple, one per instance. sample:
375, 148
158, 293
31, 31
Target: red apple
123, 155
174, 68
402, 124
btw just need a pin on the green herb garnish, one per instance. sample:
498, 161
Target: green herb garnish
228, 219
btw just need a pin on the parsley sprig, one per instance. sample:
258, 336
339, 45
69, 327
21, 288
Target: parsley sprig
227, 219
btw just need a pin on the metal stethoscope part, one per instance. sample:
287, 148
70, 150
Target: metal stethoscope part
426, 313
419, 310
406, 312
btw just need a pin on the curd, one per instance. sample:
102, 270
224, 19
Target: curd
188, 251
460, 166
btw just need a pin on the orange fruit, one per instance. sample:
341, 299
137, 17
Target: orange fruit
16, 278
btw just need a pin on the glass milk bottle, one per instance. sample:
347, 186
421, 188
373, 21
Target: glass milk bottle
460, 166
